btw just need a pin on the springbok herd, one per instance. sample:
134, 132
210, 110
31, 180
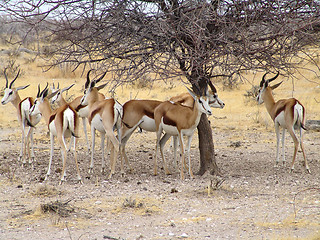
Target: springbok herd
177, 117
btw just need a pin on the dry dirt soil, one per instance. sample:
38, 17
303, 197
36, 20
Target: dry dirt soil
253, 200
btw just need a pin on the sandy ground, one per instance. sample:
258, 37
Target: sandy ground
255, 200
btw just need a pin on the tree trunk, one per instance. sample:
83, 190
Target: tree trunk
206, 147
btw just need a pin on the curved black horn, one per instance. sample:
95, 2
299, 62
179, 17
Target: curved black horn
86, 85
271, 79
263, 79
100, 78
213, 88
5, 75
14, 79
41, 94
38, 94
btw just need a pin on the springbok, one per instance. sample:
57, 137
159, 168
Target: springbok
104, 116
187, 100
83, 111
23, 106
140, 113
178, 120
286, 113
62, 122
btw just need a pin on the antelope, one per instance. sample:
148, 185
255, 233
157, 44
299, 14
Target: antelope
23, 106
62, 122
286, 113
83, 111
104, 116
187, 100
140, 113
178, 120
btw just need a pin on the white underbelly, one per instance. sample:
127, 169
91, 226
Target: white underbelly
96, 122
188, 132
172, 130
148, 124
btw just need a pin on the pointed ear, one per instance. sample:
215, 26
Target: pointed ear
22, 87
67, 88
102, 86
51, 95
276, 85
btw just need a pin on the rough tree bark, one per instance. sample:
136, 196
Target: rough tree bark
206, 147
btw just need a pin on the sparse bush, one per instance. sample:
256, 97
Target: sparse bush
12, 68
131, 203
252, 93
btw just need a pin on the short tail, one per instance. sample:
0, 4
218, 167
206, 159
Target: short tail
73, 123
301, 116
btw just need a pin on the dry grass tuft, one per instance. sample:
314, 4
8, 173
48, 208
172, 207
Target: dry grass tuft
45, 191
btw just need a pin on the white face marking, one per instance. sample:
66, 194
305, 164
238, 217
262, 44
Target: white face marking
8, 96
203, 103
84, 99
215, 102
259, 96
56, 97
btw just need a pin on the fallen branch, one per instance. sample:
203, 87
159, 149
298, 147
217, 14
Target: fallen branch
60, 208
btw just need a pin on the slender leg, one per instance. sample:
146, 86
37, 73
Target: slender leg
175, 146
93, 136
76, 160
115, 145
276, 126
22, 151
283, 149
32, 145
64, 161
51, 155
72, 139
84, 123
304, 155
27, 153
155, 170
182, 156
296, 145
103, 164
189, 160
162, 142
64, 143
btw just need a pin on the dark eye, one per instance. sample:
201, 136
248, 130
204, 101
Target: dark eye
10, 93
200, 101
